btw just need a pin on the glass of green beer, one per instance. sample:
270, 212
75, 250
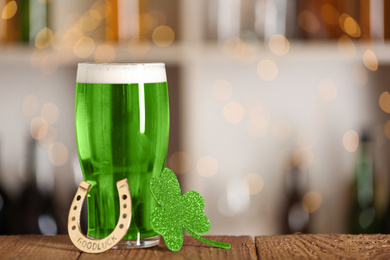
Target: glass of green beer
122, 131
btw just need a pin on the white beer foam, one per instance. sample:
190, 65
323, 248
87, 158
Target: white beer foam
121, 73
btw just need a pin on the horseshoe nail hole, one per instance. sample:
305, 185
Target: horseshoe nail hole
75, 207
124, 196
74, 227
78, 198
124, 215
124, 206
73, 218
121, 226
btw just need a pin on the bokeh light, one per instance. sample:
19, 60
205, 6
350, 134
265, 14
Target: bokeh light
180, 162
312, 201
327, 89
84, 47
50, 138
234, 47
9, 10
260, 110
253, 183
341, 20
95, 14
222, 89
279, 44
346, 46
233, 112
330, 14
44, 38
58, 154
308, 21
38, 128
163, 36
50, 113
88, 23
30, 105
267, 70
254, 107
104, 53
351, 141
72, 36
207, 166
47, 224
370, 60
384, 101
349, 25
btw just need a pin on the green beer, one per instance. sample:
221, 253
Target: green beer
122, 128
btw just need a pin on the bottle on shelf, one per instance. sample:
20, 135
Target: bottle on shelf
297, 19
139, 20
386, 8
36, 206
5, 208
364, 217
295, 217
9, 32
33, 20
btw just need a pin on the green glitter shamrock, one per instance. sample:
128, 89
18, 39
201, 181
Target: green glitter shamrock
178, 211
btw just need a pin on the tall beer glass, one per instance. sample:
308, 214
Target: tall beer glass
122, 128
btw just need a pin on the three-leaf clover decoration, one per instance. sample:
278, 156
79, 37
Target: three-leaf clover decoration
178, 211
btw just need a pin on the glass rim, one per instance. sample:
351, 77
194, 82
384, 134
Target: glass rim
120, 73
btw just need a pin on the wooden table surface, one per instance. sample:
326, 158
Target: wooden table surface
298, 246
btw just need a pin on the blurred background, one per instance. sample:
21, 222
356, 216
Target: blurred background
279, 109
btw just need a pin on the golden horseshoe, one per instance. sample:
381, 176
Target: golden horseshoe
99, 245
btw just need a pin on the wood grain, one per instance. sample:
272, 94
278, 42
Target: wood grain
298, 246
242, 248
60, 247
321, 246
37, 247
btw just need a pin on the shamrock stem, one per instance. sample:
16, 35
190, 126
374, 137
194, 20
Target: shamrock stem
208, 241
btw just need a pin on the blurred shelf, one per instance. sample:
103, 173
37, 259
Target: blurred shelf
186, 54
23, 54
299, 50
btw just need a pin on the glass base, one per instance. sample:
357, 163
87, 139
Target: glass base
138, 243
135, 243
